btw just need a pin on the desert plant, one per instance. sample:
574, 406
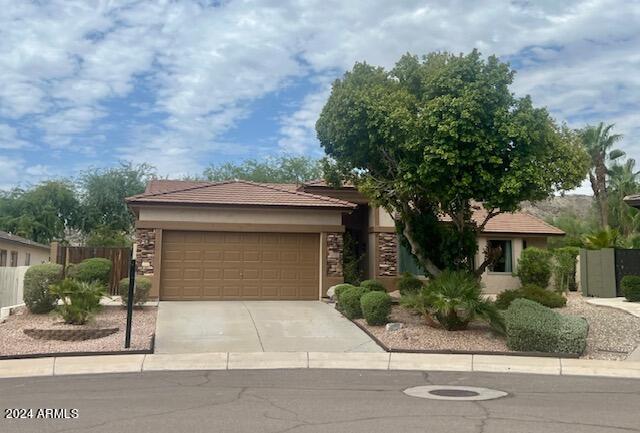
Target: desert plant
532, 292
631, 287
454, 299
532, 327
37, 296
373, 285
409, 284
534, 267
349, 302
80, 299
605, 238
564, 269
376, 307
94, 269
140, 291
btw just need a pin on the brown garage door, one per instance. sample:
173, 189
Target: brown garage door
229, 265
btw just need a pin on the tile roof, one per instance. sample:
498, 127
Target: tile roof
235, 192
514, 222
20, 240
633, 200
321, 183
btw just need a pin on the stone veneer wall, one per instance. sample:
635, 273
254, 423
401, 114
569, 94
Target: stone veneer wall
335, 243
146, 251
387, 255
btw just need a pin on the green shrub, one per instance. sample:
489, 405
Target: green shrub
37, 279
376, 307
81, 300
631, 287
532, 292
140, 291
340, 288
532, 327
544, 297
349, 302
505, 298
95, 269
534, 267
564, 269
409, 284
373, 285
454, 299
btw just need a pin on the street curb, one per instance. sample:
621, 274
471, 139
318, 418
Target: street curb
43, 367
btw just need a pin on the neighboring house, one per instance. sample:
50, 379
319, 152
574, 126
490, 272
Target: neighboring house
245, 240
18, 251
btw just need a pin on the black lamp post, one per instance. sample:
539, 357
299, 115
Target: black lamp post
132, 283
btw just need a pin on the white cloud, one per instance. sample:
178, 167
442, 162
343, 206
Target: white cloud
63, 63
9, 138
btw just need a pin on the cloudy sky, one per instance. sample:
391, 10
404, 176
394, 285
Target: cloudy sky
182, 84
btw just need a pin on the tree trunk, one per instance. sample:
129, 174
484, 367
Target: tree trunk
601, 183
428, 264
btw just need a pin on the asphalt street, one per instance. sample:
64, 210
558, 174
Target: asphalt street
315, 401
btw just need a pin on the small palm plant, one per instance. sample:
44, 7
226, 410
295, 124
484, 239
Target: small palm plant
605, 238
454, 299
80, 300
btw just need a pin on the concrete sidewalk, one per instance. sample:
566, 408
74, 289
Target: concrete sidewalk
315, 360
619, 303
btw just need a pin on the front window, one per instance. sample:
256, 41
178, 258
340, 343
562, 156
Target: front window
504, 261
3, 257
14, 259
27, 259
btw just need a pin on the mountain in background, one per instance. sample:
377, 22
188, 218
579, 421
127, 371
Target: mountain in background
579, 205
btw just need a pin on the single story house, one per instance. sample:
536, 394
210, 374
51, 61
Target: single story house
18, 251
247, 240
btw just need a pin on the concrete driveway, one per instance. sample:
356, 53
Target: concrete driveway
256, 326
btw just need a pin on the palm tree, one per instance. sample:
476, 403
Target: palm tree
599, 142
606, 238
623, 181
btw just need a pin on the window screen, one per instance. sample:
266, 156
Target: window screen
504, 263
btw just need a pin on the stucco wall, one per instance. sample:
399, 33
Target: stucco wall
38, 255
242, 216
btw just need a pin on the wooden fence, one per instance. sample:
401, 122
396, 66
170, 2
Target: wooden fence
120, 259
602, 270
12, 285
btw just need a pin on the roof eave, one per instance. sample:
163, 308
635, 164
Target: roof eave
181, 203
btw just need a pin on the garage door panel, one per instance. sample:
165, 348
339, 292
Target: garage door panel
229, 265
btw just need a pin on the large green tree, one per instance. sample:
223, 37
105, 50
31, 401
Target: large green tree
42, 213
102, 194
623, 181
598, 142
282, 169
436, 136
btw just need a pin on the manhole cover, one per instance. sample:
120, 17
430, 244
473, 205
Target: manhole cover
453, 392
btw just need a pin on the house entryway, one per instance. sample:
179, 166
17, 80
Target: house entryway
256, 326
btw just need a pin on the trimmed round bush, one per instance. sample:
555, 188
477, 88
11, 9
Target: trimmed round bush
409, 284
37, 294
534, 267
340, 288
631, 287
373, 285
349, 302
140, 291
532, 327
376, 307
95, 269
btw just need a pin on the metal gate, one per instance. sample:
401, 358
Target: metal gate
627, 262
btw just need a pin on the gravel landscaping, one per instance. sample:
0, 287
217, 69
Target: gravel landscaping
613, 333
417, 335
13, 340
